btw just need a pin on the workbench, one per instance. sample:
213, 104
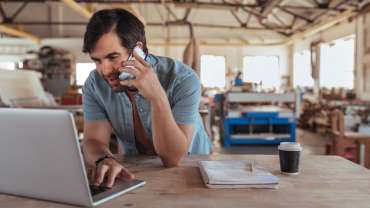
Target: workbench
260, 118
324, 181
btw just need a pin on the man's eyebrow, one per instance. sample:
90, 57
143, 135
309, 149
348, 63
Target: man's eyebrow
95, 59
112, 54
107, 56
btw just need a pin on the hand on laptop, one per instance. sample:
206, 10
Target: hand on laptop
108, 171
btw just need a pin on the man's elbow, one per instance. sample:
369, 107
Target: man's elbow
170, 162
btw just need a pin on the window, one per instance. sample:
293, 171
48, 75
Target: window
82, 72
213, 69
7, 65
337, 63
302, 69
262, 69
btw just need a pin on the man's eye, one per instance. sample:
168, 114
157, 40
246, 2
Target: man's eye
113, 57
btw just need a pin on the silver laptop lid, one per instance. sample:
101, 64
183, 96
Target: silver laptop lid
40, 156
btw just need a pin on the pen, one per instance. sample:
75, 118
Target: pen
251, 164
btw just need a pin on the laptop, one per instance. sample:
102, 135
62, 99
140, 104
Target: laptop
40, 157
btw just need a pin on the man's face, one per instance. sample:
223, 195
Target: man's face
108, 56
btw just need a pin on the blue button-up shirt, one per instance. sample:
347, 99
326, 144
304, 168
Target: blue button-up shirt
183, 90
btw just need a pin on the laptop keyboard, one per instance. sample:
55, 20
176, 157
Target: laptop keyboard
97, 189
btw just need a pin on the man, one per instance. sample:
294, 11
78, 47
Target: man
155, 113
238, 79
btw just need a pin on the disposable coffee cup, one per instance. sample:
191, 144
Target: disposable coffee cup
289, 153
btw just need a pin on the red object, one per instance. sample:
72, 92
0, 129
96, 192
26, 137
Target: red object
72, 99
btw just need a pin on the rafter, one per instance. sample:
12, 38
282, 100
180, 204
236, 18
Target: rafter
18, 33
293, 22
237, 18
279, 20
19, 10
213, 5
270, 5
160, 14
310, 8
260, 21
296, 15
320, 27
167, 23
183, 23
170, 12
260, 18
75, 6
2, 12
187, 13
259, 12
336, 6
137, 13
132, 8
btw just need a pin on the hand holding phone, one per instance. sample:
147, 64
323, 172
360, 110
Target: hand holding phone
125, 75
142, 77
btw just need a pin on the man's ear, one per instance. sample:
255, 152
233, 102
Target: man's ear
140, 44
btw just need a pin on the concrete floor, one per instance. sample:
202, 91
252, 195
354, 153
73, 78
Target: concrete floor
312, 143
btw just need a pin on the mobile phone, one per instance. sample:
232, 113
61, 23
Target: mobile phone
125, 75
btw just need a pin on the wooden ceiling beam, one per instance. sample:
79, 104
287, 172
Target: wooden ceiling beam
187, 13
320, 27
260, 19
219, 6
294, 14
137, 13
19, 10
170, 12
304, 8
237, 18
78, 8
166, 23
270, 5
282, 23
2, 12
19, 33
132, 8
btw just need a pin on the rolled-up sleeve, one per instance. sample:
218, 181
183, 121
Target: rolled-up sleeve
185, 106
93, 110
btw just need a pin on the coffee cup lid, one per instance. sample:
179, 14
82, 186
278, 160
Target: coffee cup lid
290, 146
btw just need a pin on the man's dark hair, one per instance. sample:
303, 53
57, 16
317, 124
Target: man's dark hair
127, 26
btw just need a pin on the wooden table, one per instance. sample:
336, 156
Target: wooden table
325, 181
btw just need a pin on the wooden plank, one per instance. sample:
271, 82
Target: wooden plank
270, 6
18, 33
320, 27
75, 6
132, 8
324, 181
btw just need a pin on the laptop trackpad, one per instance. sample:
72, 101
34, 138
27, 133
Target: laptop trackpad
119, 188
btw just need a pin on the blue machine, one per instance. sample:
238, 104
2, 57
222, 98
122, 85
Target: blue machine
260, 124
262, 128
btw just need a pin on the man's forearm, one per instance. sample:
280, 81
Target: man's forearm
169, 141
93, 150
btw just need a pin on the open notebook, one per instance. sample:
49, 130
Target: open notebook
236, 174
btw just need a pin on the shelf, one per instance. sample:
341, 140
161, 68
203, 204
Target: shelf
263, 136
